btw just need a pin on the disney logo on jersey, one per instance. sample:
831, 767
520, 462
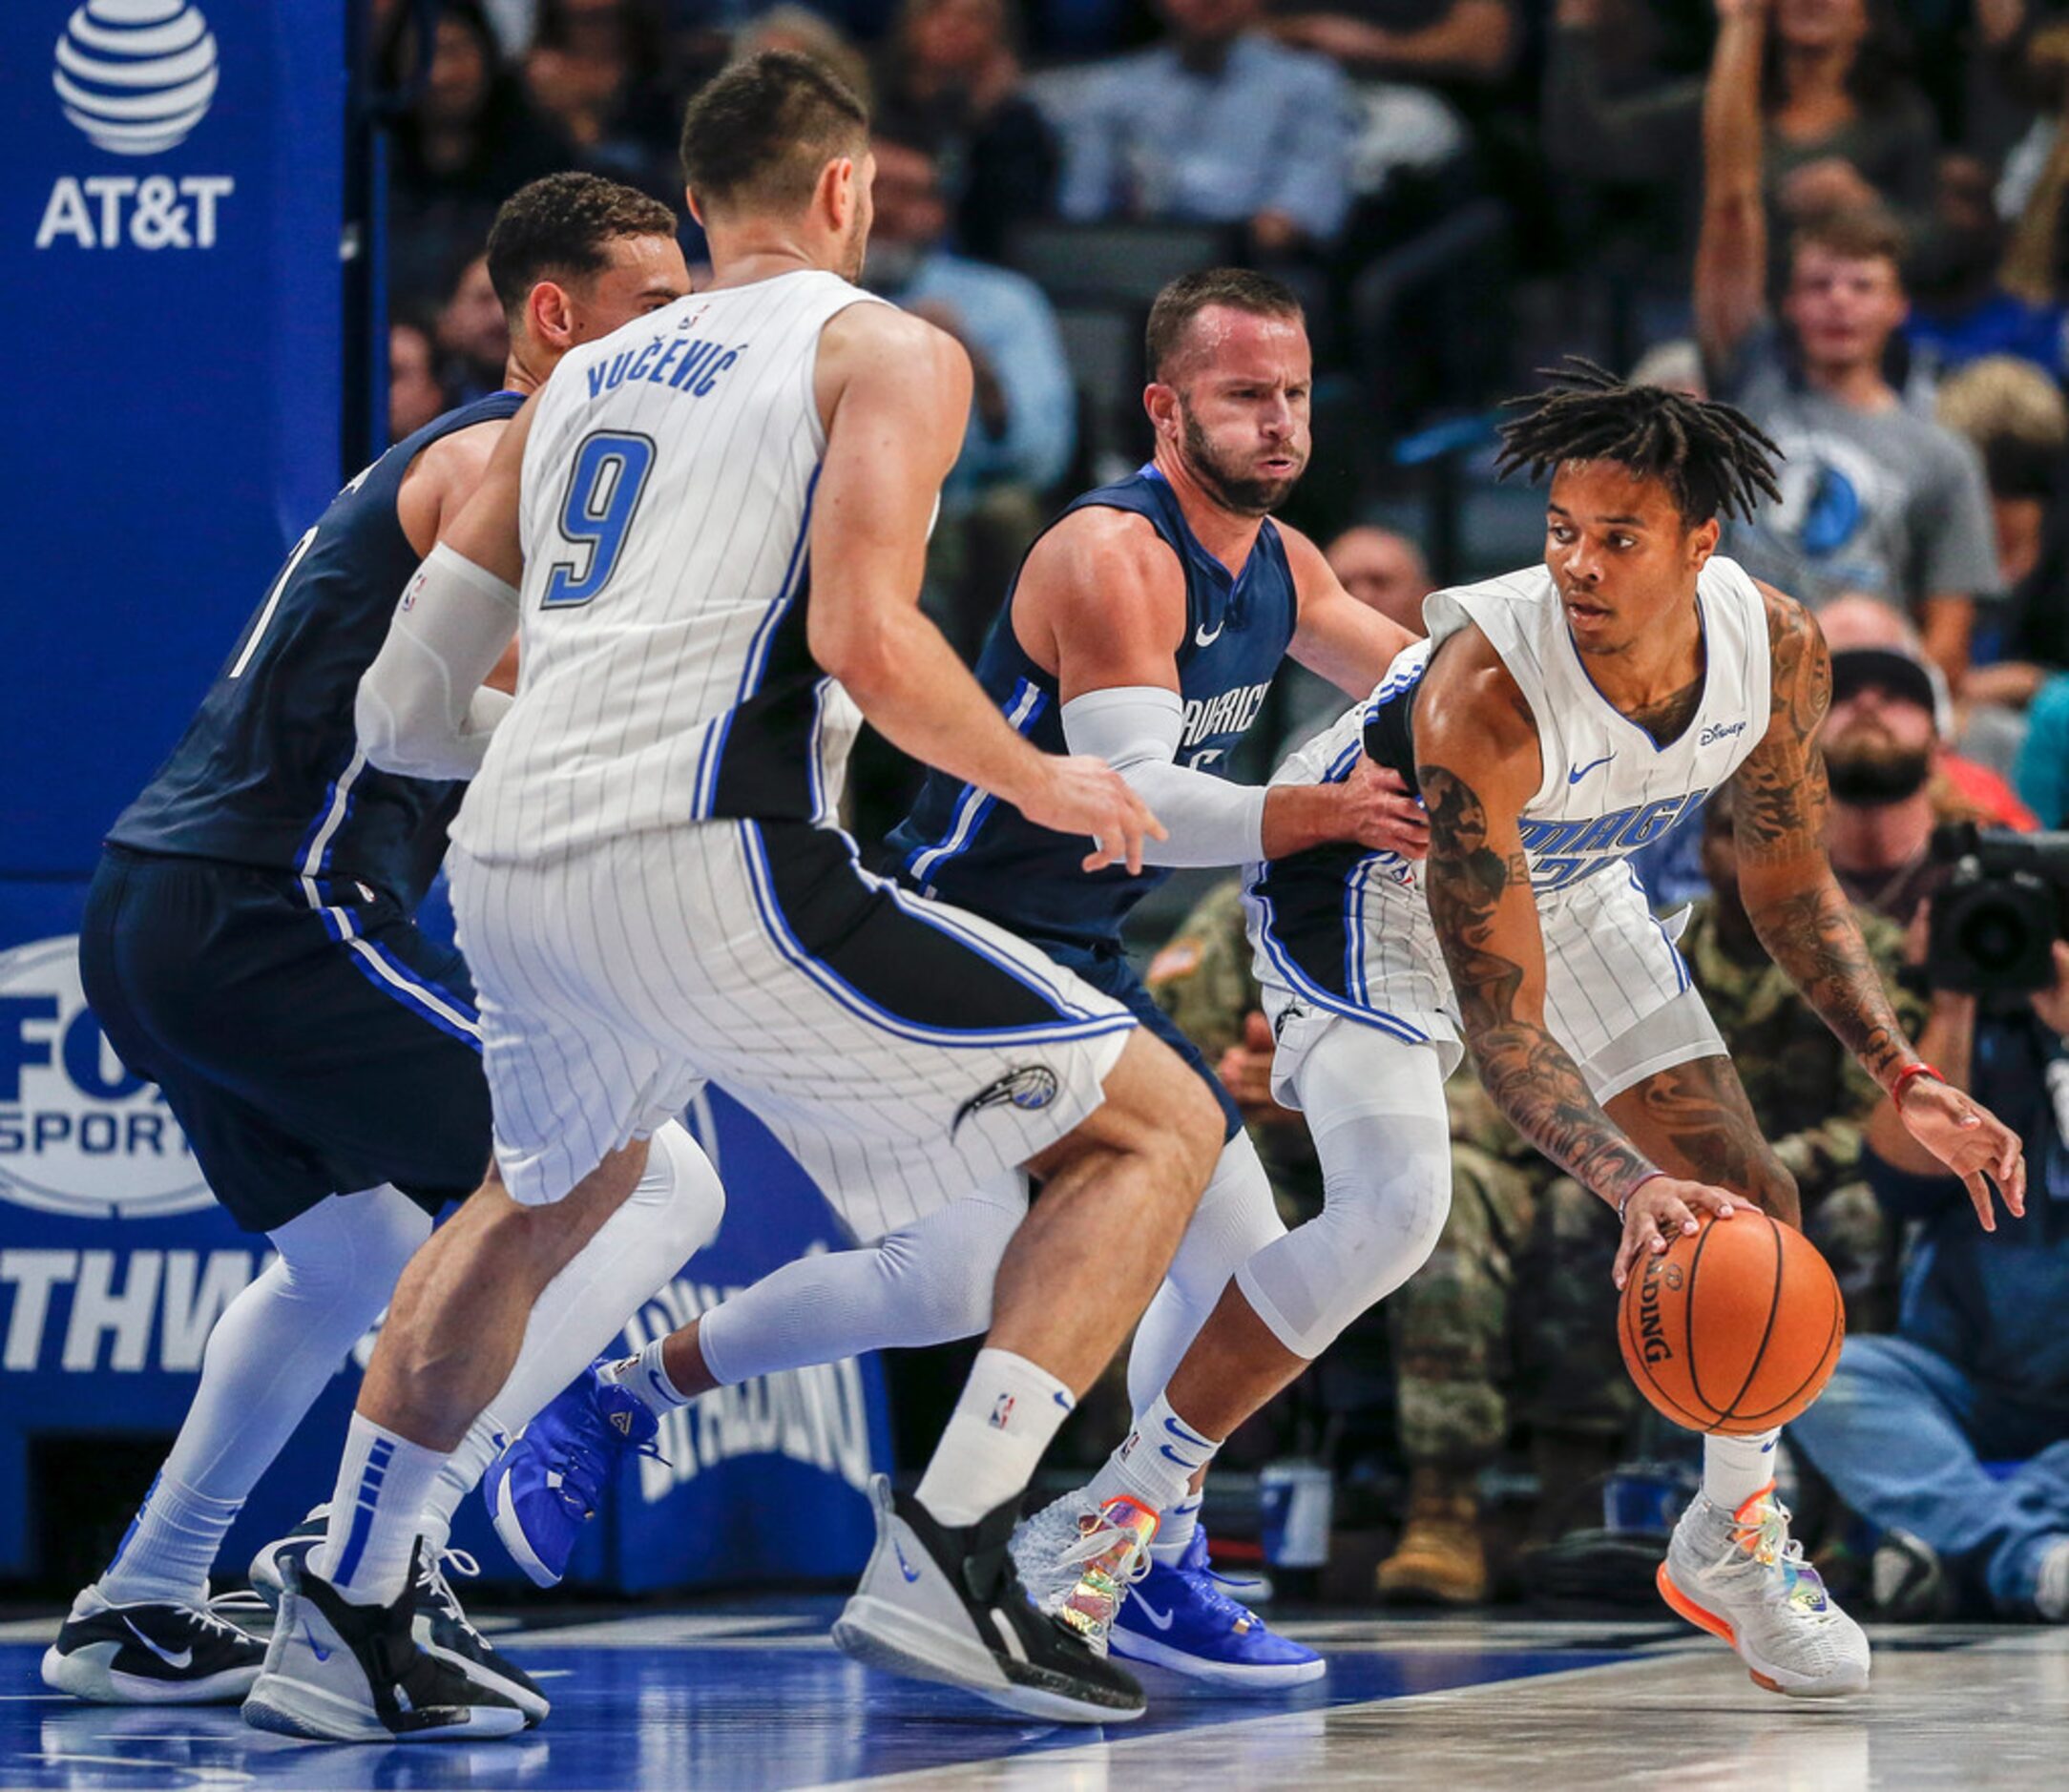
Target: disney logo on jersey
1562, 852
1031, 1088
1231, 713
78, 1134
1720, 731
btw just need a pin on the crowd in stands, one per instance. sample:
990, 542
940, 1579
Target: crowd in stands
1846, 217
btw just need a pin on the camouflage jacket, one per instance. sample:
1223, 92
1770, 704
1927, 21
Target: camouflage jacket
1812, 1098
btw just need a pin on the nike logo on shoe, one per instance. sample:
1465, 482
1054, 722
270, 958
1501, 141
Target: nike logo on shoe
1200, 636
1162, 1621
316, 1648
1579, 772
184, 1661
905, 1566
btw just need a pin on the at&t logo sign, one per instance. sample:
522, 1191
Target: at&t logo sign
135, 77
78, 1134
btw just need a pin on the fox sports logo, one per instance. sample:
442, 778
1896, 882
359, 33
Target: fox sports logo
79, 1134
135, 75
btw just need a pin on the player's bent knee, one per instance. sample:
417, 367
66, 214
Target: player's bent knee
681, 1176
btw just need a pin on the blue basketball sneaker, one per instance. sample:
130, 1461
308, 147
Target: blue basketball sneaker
1179, 1618
550, 1477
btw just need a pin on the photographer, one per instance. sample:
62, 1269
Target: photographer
1978, 1370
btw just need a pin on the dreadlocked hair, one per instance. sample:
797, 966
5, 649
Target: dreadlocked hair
1711, 457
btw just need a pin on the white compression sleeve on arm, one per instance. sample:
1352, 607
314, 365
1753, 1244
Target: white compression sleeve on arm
1135, 729
421, 709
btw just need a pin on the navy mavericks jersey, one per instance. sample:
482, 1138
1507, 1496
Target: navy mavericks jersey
968, 848
269, 772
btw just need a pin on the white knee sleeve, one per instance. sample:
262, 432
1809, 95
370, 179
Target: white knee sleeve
1375, 1106
927, 1283
1235, 1220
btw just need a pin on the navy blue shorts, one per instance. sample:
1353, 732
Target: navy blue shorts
1106, 967
309, 1041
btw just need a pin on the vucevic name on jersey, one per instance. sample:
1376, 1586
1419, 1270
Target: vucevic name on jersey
967, 848
1608, 788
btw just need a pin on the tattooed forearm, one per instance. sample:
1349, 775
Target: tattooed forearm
1528, 1073
1811, 932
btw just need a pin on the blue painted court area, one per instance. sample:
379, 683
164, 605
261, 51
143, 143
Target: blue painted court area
748, 1698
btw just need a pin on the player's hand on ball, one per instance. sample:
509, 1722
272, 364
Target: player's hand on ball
1970, 1140
1083, 795
1381, 814
1660, 1207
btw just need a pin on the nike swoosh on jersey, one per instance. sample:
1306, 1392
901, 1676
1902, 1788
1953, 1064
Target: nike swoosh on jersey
183, 1659
1200, 636
1579, 772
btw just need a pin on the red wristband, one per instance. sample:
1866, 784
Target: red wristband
1903, 1081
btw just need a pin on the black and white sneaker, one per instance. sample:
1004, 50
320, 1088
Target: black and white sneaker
336, 1671
943, 1602
151, 1654
439, 1625
267, 1580
442, 1628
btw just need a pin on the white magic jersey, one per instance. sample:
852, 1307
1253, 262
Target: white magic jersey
1349, 932
666, 503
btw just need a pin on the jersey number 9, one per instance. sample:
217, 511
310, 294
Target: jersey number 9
603, 491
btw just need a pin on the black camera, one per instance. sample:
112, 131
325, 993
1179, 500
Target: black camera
1996, 920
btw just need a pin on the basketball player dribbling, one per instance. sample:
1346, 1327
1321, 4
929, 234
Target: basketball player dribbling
1557, 719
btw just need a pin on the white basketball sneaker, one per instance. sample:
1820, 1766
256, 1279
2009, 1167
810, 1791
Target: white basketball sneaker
1740, 1576
1077, 1560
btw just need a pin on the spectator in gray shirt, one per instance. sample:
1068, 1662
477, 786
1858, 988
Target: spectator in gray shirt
1217, 125
1875, 497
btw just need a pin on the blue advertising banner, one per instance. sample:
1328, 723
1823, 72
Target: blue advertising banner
173, 204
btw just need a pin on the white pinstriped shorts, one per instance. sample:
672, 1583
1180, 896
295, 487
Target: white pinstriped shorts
903, 1051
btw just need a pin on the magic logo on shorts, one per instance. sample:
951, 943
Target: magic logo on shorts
1030, 1088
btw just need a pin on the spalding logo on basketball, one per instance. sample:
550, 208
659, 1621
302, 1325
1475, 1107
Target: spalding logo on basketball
78, 1134
135, 75
1734, 1330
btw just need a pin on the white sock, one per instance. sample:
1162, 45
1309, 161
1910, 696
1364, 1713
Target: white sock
272, 1352
1175, 1529
1009, 1411
1735, 1469
1156, 1462
169, 1548
382, 1483
457, 1477
645, 1376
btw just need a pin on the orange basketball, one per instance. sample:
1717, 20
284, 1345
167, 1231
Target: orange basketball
1734, 1329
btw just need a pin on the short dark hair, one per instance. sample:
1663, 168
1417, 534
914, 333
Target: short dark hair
1239, 288
760, 133
1858, 233
561, 226
1710, 456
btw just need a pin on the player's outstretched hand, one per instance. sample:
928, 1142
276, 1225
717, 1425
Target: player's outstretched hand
1083, 795
1382, 814
1660, 1207
1970, 1141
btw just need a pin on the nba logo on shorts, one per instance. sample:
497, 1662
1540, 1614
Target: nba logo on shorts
1001, 1411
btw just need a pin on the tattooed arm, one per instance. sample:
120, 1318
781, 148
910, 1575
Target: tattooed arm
1807, 923
1477, 756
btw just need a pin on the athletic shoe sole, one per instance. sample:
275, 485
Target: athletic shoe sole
286, 1707
1262, 1677
898, 1641
1786, 1681
84, 1676
534, 1706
